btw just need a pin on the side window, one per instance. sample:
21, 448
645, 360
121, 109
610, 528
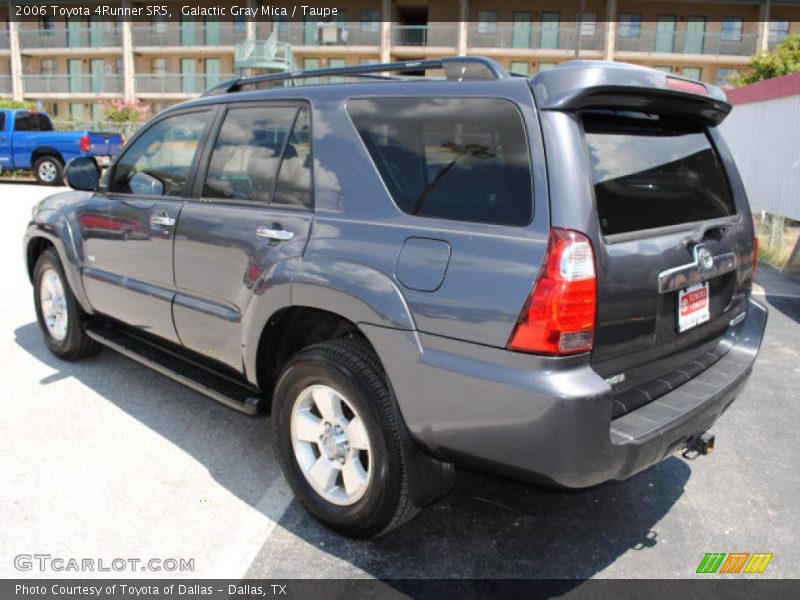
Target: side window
294, 181
158, 162
2, 121
32, 121
247, 153
452, 158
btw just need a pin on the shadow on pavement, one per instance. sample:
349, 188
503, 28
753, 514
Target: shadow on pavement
488, 527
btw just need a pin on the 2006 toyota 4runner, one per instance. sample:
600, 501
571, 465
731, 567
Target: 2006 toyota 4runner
544, 276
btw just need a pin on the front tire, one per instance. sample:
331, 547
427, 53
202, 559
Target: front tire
58, 313
338, 432
49, 170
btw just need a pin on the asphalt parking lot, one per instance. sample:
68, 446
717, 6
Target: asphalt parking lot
103, 459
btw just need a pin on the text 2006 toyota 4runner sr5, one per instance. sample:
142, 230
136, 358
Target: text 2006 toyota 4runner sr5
544, 276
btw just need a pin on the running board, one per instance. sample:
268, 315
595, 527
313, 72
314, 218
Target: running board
185, 371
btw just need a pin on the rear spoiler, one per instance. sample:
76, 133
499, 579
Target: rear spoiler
581, 84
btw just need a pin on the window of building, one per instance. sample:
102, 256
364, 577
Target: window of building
159, 161
453, 158
665, 68
732, 29
543, 66
47, 67
370, 19
487, 21
693, 72
630, 25
48, 24
778, 30
589, 24
520, 66
246, 157
158, 66
368, 61
76, 111
724, 75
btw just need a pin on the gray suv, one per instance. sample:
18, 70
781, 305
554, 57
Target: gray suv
547, 277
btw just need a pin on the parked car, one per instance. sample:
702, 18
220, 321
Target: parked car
29, 142
547, 277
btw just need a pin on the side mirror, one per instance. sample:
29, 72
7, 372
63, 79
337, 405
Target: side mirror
83, 174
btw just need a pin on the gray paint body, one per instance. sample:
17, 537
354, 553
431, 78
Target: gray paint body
438, 299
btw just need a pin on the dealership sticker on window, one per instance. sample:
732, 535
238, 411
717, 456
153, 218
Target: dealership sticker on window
693, 306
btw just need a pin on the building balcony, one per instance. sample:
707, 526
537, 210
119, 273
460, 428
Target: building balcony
5, 84
536, 36
433, 35
181, 85
102, 35
329, 34
72, 85
189, 33
708, 44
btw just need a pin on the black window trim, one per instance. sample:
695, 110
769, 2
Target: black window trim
213, 110
526, 132
197, 196
628, 236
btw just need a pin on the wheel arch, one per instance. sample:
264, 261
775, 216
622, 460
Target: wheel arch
333, 295
41, 151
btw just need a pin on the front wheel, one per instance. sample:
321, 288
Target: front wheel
59, 315
49, 170
338, 432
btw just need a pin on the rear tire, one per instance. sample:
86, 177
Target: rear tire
353, 478
49, 170
58, 313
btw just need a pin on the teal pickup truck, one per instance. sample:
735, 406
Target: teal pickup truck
29, 142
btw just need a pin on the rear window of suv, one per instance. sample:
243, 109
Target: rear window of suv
653, 171
453, 158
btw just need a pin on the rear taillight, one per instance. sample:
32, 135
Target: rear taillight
559, 316
85, 143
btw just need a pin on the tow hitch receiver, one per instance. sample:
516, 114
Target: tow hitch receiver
697, 445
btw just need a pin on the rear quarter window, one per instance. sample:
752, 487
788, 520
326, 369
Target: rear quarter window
464, 159
653, 171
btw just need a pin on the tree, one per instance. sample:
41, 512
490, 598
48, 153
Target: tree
125, 111
4, 103
783, 59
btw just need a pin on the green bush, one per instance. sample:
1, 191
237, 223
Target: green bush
783, 59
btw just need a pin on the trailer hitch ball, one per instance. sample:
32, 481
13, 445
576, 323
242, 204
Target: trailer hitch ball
697, 445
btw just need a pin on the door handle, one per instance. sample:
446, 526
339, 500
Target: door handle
162, 219
279, 235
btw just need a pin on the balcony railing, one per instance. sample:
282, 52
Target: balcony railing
329, 34
536, 36
5, 84
189, 34
95, 36
433, 34
710, 43
177, 83
72, 84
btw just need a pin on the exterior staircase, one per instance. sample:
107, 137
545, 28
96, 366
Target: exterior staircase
269, 55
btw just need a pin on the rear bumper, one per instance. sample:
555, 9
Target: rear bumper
550, 418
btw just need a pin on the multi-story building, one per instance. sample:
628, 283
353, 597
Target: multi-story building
69, 66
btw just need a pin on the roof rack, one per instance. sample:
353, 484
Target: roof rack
456, 68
